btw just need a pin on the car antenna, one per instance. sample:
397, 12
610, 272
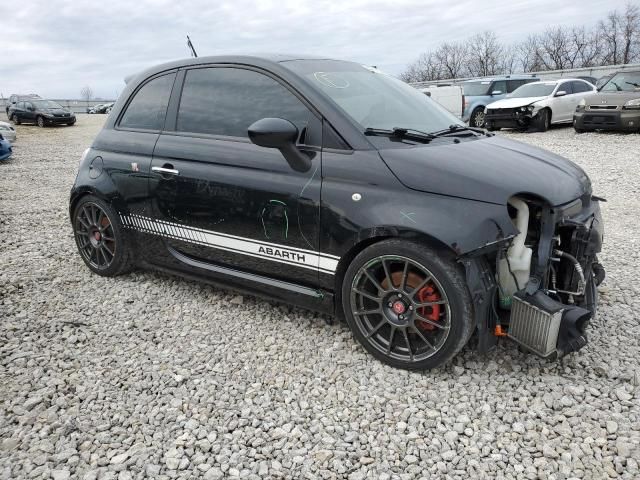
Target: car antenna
190, 45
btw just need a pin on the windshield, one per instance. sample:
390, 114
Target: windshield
536, 89
623, 82
46, 104
372, 98
473, 89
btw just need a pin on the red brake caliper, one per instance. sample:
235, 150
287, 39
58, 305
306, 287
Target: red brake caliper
428, 294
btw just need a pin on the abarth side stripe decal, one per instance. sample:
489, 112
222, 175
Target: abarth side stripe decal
303, 258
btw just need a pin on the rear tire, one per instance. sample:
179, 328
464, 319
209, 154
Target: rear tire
101, 240
40, 121
396, 319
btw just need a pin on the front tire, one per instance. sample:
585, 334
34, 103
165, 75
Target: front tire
40, 121
15, 119
407, 304
543, 120
477, 118
100, 238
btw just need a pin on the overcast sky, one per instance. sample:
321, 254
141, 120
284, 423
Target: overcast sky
54, 47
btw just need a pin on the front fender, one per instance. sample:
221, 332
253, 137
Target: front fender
385, 208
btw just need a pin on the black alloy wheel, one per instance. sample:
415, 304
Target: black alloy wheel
94, 236
100, 237
408, 308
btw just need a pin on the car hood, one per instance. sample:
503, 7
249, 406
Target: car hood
488, 169
611, 98
514, 102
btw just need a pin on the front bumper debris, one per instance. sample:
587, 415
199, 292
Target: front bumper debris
507, 118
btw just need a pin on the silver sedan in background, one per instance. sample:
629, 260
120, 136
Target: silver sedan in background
7, 131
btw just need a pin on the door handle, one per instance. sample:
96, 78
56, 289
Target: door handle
165, 170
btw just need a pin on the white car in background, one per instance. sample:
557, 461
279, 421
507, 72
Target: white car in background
7, 131
451, 97
538, 104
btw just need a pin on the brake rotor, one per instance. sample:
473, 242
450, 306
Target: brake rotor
428, 293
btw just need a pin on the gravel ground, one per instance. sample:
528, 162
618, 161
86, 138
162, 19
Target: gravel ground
145, 376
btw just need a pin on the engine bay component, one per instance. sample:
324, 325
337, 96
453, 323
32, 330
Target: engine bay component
578, 268
514, 269
547, 327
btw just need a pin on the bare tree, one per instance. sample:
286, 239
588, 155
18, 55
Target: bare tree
485, 54
453, 59
614, 40
86, 93
630, 33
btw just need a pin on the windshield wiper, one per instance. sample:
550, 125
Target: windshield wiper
455, 128
634, 84
397, 132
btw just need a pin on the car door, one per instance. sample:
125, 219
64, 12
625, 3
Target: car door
218, 199
125, 150
563, 106
28, 113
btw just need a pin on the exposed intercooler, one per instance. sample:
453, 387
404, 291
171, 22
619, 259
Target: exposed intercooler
545, 326
534, 327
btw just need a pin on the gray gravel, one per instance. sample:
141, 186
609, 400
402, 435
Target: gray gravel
148, 375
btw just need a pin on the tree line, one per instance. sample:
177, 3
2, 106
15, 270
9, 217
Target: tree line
614, 40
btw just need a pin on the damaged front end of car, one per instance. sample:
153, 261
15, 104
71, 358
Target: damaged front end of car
538, 286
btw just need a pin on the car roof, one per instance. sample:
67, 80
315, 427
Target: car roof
262, 59
503, 77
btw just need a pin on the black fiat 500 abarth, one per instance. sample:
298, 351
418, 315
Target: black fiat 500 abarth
336, 187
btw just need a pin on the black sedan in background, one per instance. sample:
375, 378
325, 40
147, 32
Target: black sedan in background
40, 112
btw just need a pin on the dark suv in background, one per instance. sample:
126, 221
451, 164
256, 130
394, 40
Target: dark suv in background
40, 112
15, 98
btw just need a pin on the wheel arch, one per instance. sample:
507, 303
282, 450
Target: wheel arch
372, 236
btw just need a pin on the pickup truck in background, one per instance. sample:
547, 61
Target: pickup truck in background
450, 97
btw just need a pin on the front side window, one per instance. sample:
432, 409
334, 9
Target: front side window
148, 107
473, 89
226, 101
500, 86
566, 87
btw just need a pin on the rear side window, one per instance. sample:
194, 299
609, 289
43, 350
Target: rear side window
148, 107
226, 101
580, 87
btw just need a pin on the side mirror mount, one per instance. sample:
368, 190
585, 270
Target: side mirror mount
496, 92
281, 134
561, 93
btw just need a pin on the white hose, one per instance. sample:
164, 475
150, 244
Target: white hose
522, 224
